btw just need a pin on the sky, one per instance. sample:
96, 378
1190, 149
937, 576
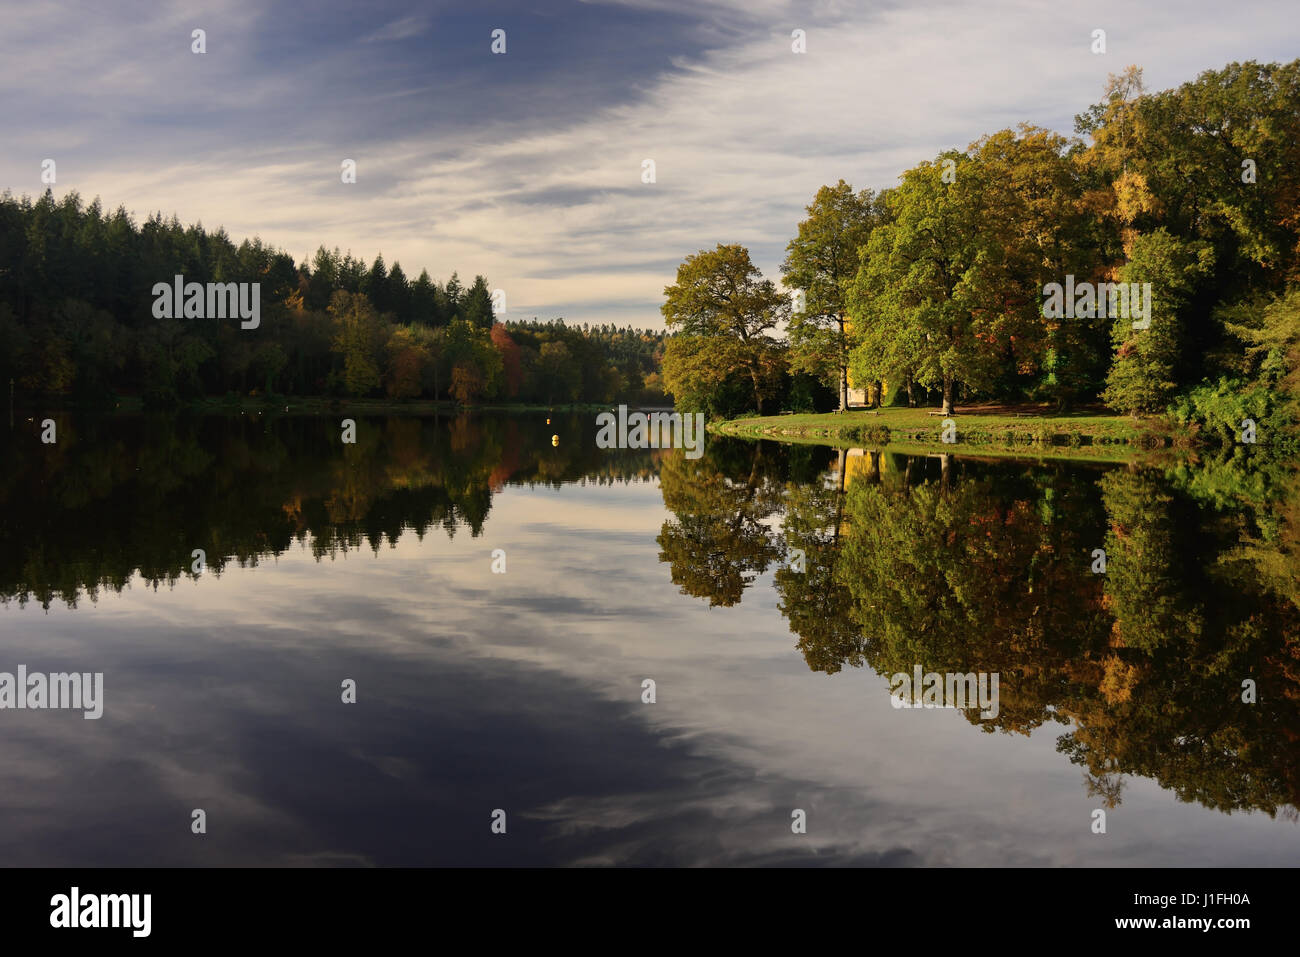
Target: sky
527, 166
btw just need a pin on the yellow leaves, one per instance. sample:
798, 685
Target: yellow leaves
1120, 680
1133, 197
1098, 202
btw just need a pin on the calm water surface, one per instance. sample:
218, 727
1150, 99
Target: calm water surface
522, 691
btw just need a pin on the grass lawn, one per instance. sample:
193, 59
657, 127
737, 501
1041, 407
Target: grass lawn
1024, 429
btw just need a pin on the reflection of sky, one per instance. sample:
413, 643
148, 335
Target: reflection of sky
522, 691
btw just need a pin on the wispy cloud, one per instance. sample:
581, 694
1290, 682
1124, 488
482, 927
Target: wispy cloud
527, 167
402, 29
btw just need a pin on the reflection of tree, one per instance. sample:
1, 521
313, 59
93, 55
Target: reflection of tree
1153, 562
1192, 621
717, 543
969, 569
815, 600
119, 497
963, 576
1264, 495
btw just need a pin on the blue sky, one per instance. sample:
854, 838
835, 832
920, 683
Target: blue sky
526, 166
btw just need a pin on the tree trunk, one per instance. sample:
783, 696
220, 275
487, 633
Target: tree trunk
844, 370
947, 395
911, 398
877, 390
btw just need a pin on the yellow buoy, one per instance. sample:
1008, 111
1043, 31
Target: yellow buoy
555, 440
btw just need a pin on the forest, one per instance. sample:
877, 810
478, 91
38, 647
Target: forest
934, 290
77, 322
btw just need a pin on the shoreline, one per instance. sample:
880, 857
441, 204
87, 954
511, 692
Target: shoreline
1083, 436
306, 405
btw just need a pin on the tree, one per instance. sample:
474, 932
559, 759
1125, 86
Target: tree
474, 362
822, 261
375, 285
267, 363
559, 375
1114, 124
467, 382
408, 359
1035, 215
453, 293
358, 337
1216, 160
399, 294
512, 370
477, 308
324, 278
424, 300
721, 296
697, 379
76, 317
924, 296
1142, 378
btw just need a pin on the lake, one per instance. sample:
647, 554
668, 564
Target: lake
629, 656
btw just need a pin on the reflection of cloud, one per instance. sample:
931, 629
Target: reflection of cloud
522, 691
526, 167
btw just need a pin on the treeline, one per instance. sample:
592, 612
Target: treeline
77, 319
937, 288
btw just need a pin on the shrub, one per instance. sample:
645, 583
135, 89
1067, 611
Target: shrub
1220, 408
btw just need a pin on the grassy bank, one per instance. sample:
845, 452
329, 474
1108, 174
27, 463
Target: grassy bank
994, 430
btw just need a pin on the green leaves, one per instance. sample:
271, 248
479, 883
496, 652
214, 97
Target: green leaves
821, 262
724, 309
1144, 375
921, 302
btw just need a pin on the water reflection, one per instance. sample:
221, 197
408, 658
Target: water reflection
124, 496
480, 691
962, 566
